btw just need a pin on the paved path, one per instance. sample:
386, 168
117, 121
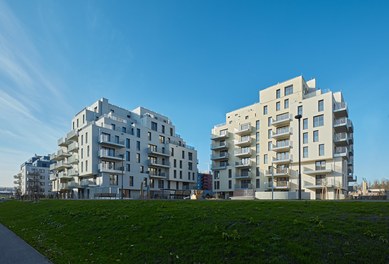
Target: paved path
14, 250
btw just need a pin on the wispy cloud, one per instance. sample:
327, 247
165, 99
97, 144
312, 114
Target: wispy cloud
29, 96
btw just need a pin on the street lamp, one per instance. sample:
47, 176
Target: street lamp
298, 117
121, 192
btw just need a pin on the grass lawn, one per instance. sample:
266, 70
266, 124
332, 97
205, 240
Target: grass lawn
203, 231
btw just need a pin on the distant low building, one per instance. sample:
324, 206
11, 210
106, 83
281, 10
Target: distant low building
33, 177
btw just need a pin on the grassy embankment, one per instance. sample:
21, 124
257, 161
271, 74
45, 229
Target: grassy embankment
203, 231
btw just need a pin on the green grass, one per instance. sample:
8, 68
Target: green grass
203, 231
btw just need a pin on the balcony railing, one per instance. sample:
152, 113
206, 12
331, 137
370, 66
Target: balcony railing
73, 172
278, 172
220, 156
73, 159
222, 135
243, 185
221, 166
282, 132
341, 151
110, 168
72, 135
282, 159
340, 137
157, 163
157, 175
243, 141
282, 119
243, 129
243, 176
282, 145
165, 153
326, 169
73, 147
243, 163
104, 154
340, 109
108, 141
243, 152
222, 145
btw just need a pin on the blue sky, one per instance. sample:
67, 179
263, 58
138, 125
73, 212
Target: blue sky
190, 60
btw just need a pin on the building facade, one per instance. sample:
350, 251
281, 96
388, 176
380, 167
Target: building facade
33, 177
204, 181
257, 148
114, 152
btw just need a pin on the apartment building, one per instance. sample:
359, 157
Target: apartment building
204, 181
33, 177
114, 152
257, 148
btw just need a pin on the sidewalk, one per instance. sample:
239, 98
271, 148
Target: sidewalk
14, 250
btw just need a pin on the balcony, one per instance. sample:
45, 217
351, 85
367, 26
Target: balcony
243, 186
319, 183
243, 176
161, 175
63, 142
222, 135
61, 165
283, 159
61, 154
156, 163
278, 172
351, 138
341, 152
53, 166
72, 135
108, 142
342, 124
109, 168
243, 130
340, 109
282, 146
85, 183
282, 133
282, 120
243, 153
341, 139
73, 159
73, 184
219, 167
318, 170
73, 172
243, 164
221, 146
164, 153
103, 154
17, 182
278, 185
73, 147
221, 156
53, 177
245, 141
64, 175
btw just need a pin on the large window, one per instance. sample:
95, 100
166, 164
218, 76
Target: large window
113, 179
154, 126
316, 136
288, 90
278, 93
321, 150
320, 165
318, 121
320, 106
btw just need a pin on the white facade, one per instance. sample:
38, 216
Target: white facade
259, 143
108, 143
33, 177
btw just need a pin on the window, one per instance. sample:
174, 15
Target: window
320, 165
124, 130
257, 148
128, 144
180, 174
113, 126
288, 90
305, 152
82, 153
257, 160
190, 166
278, 93
161, 184
190, 155
131, 183
138, 132
188, 175
183, 154
163, 129
300, 110
172, 151
265, 159
229, 184
269, 121
229, 173
175, 163
321, 150
87, 151
305, 138
128, 156
175, 174
116, 139
142, 169
162, 139
320, 106
138, 145
265, 110
180, 164
316, 136
113, 179
86, 165
86, 138
257, 136
257, 172
257, 124
128, 167
278, 106
318, 121
82, 140
286, 104
269, 145
305, 123
138, 157
154, 126
269, 134
171, 131
149, 135
257, 185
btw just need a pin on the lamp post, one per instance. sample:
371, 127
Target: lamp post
272, 181
298, 117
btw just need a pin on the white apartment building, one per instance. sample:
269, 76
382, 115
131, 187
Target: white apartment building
256, 150
112, 151
33, 177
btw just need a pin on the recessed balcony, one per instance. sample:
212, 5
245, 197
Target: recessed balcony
243, 164
155, 152
245, 141
278, 172
221, 156
282, 120
243, 130
283, 159
156, 163
282, 133
340, 109
108, 168
282, 146
103, 154
221, 146
108, 142
318, 170
243, 152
